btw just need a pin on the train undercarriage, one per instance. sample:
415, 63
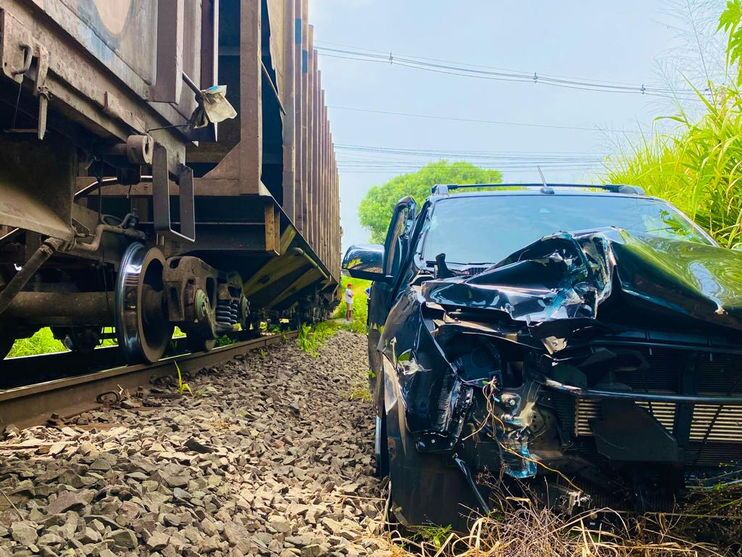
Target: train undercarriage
127, 206
119, 278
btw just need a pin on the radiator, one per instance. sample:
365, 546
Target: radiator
711, 422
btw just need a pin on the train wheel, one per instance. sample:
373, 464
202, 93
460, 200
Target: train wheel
142, 324
201, 337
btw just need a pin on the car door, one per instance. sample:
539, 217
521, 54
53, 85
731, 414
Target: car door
396, 249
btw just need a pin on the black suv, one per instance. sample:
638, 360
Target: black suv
584, 340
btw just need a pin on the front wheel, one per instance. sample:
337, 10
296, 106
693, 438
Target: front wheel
425, 488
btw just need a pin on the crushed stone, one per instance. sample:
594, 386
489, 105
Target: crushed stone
271, 455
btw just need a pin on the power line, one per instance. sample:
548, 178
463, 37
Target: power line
408, 152
497, 164
486, 165
480, 121
533, 169
387, 53
501, 164
391, 58
392, 166
483, 72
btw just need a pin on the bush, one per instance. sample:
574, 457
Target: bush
42, 342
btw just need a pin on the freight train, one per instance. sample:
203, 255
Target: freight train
162, 164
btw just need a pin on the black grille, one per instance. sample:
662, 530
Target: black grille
711, 454
712, 373
722, 374
710, 433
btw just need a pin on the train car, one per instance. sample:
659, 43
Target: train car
162, 164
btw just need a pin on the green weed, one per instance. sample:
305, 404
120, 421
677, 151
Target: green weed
223, 341
312, 337
41, 342
183, 387
434, 535
360, 393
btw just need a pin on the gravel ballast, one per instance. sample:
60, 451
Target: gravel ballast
271, 455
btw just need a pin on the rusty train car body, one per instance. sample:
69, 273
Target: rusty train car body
124, 203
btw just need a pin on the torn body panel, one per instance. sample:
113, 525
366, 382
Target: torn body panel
606, 361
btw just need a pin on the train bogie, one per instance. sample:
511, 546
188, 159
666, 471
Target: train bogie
124, 203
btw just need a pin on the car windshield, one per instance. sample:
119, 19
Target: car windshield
486, 229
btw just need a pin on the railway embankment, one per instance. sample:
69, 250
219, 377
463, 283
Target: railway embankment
269, 454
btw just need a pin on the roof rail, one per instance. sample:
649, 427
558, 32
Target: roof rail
444, 189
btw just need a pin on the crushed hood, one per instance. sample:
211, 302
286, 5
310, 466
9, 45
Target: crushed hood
570, 276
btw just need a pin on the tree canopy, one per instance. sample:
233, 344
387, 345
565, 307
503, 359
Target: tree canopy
375, 209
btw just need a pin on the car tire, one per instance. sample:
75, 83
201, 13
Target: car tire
425, 488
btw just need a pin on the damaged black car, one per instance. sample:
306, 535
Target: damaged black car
583, 340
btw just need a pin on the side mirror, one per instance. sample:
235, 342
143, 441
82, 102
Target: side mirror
365, 262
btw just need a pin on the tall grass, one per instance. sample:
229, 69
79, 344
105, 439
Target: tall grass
699, 169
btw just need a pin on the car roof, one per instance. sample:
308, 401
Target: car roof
478, 190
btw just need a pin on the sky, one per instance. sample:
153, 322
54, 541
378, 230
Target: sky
631, 42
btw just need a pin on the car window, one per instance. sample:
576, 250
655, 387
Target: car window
486, 229
394, 246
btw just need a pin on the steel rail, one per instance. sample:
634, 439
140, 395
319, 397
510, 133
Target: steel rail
34, 404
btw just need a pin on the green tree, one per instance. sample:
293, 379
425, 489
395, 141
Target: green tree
376, 208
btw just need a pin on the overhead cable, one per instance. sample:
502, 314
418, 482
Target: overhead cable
482, 72
595, 129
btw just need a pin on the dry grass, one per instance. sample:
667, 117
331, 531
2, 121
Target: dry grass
523, 528
707, 523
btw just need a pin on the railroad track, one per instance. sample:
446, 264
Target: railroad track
34, 403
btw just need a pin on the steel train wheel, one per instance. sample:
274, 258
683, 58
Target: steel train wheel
202, 337
142, 325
